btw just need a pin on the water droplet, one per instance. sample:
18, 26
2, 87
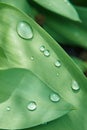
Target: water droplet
57, 74
32, 106
75, 86
24, 30
8, 108
54, 97
32, 58
57, 63
47, 53
42, 48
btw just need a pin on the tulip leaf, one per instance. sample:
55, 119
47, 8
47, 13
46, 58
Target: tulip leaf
81, 64
19, 89
62, 7
82, 11
25, 53
63, 29
23, 5
75, 33
24, 44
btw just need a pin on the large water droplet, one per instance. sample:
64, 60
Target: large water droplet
47, 53
75, 86
8, 108
42, 48
32, 106
24, 30
54, 97
57, 63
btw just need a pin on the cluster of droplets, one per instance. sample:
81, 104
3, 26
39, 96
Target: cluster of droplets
32, 105
25, 31
57, 64
54, 97
46, 52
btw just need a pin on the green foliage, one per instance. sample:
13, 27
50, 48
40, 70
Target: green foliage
56, 6
35, 70
63, 29
17, 93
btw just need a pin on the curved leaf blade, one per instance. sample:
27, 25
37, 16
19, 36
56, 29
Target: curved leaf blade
26, 54
19, 87
23, 5
81, 64
62, 29
82, 11
62, 7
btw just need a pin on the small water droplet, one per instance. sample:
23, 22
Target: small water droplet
42, 48
24, 30
47, 53
75, 86
54, 97
32, 106
57, 63
57, 74
8, 108
32, 58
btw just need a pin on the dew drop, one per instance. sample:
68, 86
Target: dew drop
57, 63
32, 58
75, 86
47, 53
8, 108
32, 106
42, 48
57, 74
54, 97
24, 30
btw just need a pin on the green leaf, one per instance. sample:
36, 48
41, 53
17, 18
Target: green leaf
26, 45
62, 7
26, 53
62, 29
81, 64
68, 31
23, 5
19, 88
82, 11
